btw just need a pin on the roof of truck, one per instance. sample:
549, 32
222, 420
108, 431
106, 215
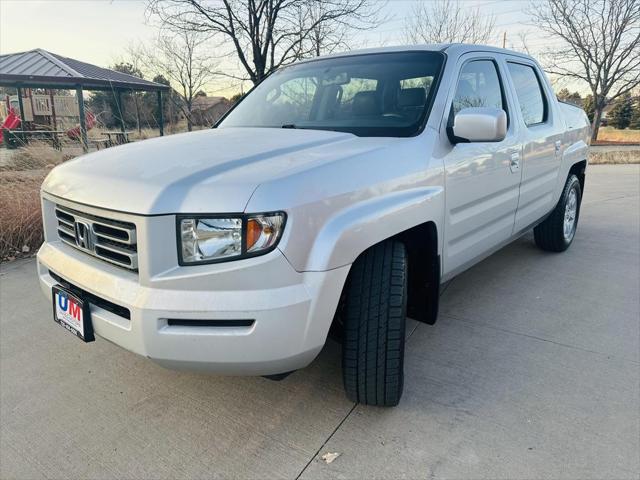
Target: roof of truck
452, 49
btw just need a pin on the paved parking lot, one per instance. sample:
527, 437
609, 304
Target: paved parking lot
532, 371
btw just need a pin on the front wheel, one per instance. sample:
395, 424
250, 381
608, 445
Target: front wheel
556, 233
374, 318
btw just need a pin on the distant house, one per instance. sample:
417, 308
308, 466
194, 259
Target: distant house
207, 110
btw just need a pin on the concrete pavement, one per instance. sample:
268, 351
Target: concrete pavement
532, 371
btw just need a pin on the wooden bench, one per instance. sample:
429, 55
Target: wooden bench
100, 143
116, 138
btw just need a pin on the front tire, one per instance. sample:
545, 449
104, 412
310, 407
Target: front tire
557, 231
374, 320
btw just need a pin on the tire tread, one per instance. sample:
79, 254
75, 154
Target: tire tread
374, 325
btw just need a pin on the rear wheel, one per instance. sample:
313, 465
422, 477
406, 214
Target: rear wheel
374, 318
556, 233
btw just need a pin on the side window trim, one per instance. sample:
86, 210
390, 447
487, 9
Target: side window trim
543, 92
448, 117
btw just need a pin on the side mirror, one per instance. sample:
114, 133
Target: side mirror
480, 124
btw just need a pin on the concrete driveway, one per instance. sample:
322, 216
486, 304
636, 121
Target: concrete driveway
531, 372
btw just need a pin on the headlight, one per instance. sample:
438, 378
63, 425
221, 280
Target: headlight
210, 239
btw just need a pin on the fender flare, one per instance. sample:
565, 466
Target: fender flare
575, 153
352, 230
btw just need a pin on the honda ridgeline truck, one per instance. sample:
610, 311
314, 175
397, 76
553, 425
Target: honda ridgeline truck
341, 191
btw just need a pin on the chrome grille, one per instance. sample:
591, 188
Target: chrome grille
110, 240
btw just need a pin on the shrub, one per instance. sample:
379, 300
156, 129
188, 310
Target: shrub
20, 221
621, 157
35, 156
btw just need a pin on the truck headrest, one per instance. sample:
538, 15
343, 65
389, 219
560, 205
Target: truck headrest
366, 103
412, 97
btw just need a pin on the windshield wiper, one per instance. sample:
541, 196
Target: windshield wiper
289, 125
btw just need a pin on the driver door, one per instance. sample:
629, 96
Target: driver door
482, 178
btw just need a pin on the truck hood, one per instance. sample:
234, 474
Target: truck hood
209, 171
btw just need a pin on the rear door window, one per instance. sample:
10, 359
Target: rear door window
533, 103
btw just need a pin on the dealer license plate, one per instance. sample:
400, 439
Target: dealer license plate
71, 312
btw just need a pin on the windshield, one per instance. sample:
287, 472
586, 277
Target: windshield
383, 94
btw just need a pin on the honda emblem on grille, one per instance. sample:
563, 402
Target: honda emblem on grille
84, 235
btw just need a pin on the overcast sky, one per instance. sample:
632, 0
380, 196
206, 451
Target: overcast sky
98, 31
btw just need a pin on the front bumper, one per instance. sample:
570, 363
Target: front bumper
292, 311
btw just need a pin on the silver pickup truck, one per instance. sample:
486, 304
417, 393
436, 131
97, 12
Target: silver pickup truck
340, 193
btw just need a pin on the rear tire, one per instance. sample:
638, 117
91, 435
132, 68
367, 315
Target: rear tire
374, 318
558, 230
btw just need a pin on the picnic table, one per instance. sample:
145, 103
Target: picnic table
116, 138
18, 138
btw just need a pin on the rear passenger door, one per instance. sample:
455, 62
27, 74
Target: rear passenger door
482, 178
543, 130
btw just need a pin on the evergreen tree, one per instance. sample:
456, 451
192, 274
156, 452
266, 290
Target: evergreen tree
622, 111
575, 98
634, 124
566, 96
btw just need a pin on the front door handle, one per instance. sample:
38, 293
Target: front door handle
514, 164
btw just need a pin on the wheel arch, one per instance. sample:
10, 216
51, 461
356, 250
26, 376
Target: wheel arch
573, 162
421, 244
579, 169
355, 229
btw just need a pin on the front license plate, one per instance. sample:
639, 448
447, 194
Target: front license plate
70, 311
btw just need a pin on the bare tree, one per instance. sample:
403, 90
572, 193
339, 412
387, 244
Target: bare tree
332, 34
265, 34
521, 44
137, 65
448, 21
181, 57
600, 46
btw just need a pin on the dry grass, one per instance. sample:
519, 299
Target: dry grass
20, 221
35, 156
610, 134
620, 157
143, 134
20, 180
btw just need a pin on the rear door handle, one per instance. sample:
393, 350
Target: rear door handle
514, 163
